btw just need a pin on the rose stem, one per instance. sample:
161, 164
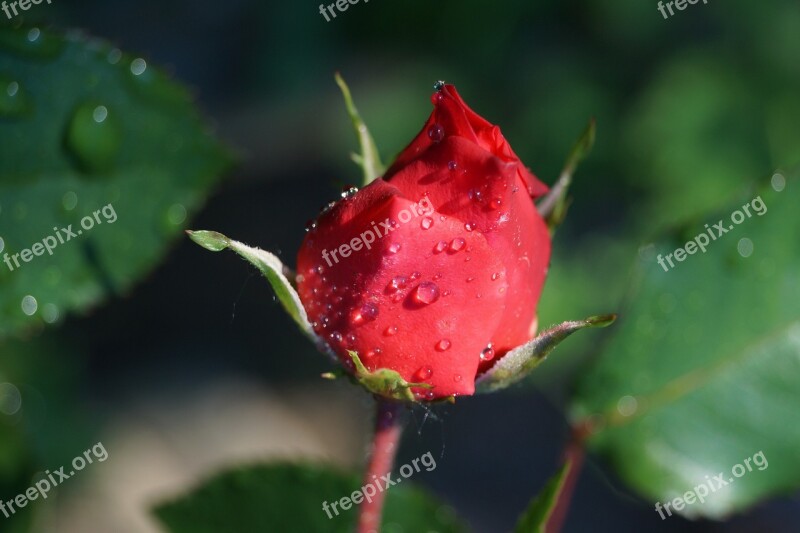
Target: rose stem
388, 429
573, 452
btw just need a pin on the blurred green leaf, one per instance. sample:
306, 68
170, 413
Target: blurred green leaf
289, 498
535, 517
84, 126
702, 373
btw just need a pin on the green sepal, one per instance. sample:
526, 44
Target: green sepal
272, 268
384, 382
369, 160
519, 362
553, 206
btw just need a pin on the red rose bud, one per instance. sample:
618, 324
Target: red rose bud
435, 270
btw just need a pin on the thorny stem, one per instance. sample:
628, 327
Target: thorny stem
388, 429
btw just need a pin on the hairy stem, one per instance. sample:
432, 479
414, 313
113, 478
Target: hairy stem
388, 429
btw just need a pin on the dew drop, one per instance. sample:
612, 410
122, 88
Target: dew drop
469, 226
394, 247
495, 276
29, 305
390, 331
138, 66
436, 133
367, 313
436, 98
397, 283
349, 191
452, 165
426, 223
100, 113
311, 225
496, 203
457, 244
14, 102
10, 399
440, 247
426, 293
93, 138
33, 35
335, 337
50, 313
415, 276
487, 354
423, 373
457, 378
176, 214
439, 85
443, 345
114, 56
351, 339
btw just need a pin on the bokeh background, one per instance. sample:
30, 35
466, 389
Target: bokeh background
196, 368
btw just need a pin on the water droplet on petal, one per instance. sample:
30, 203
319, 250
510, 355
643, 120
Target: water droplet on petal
426, 293
394, 247
423, 373
426, 223
351, 339
415, 276
436, 133
349, 191
397, 283
469, 226
335, 337
457, 244
440, 247
366, 313
390, 331
443, 345
439, 85
495, 276
487, 354
457, 378
452, 165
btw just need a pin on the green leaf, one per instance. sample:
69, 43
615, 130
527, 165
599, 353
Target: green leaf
80, 132
535, 517
369, 160
289, 498
703, 373
519, 362
272, 269
553, 207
